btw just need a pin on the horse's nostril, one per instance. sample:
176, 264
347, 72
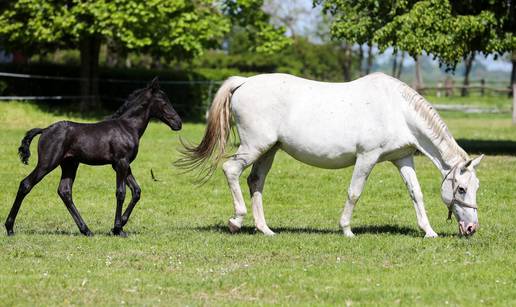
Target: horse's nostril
470, 229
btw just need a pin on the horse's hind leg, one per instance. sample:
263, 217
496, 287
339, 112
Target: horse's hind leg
233, 168
256, 181
363, 167
69, 170
136, 191
25, 187
406, 167
121, 168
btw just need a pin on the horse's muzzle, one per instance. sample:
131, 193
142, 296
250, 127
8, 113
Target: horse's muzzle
467, 230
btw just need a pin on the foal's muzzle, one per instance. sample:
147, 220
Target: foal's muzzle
174, 123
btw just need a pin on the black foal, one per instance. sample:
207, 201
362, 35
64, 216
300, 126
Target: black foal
113, 141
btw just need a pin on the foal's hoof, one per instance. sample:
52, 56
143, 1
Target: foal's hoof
233, 227
119, 232
88, 233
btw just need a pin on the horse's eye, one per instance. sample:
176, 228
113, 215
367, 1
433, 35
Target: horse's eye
461, 190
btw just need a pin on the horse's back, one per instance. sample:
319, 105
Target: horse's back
320, 123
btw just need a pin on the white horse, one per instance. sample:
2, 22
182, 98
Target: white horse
334, 125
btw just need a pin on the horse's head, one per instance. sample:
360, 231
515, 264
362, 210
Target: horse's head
459, 193
160, 107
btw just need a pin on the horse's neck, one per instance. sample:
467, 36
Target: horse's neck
136, 120
436, 152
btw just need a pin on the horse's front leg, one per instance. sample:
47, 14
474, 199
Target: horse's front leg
121, 168
408, 173
363, 167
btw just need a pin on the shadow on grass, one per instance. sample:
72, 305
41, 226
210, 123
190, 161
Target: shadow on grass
359, 230
490, 147
68, 233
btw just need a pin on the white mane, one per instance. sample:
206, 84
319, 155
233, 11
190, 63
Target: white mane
438, 131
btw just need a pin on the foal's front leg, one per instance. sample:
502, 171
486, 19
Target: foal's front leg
135, 191
121, 168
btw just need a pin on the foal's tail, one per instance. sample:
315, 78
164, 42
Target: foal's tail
210, 151
24, 149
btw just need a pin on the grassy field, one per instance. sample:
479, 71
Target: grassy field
179, 251
501, 101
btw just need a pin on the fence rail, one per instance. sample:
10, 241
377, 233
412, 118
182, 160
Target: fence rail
451, 89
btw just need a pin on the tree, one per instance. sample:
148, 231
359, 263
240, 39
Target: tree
177, 29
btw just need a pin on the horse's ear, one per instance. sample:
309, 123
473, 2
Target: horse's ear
475, 162
472, 163
154, 85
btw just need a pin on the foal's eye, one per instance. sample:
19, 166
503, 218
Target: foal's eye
461, 190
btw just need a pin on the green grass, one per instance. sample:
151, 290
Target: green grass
179, 252
501, 102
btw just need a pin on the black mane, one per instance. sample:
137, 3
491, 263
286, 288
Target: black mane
130, 102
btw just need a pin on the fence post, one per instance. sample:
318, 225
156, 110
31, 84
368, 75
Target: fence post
514, 103
482, 86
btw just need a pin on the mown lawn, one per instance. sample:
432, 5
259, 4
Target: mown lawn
179, 251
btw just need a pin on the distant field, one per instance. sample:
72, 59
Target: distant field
501, 101
179, 251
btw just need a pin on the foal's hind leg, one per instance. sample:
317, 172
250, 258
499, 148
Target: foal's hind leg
26, 186
69, 170
363, 167
121, 168
136, 191
233, 168
256, 181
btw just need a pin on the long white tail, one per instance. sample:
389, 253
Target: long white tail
210, 151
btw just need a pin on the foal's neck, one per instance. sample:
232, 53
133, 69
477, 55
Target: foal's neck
136, 120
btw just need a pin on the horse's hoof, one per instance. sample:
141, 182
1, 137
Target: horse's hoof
431, 235
266, 231
233, 227
10, 232
88, 233
119, 233
348, 234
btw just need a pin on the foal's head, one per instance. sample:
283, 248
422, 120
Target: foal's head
159, 106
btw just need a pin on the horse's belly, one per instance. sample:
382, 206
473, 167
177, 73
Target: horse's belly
331, 158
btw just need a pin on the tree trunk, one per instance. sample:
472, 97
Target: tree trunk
90, 49
360, 59
418, 82
369, 59
513, 84
400, 65
347, 62
394, 64
468, 64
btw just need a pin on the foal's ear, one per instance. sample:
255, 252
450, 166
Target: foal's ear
154, 85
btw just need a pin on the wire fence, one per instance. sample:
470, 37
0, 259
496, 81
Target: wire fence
188, 96
209, 87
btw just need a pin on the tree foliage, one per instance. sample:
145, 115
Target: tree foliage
449, 30
171, 28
